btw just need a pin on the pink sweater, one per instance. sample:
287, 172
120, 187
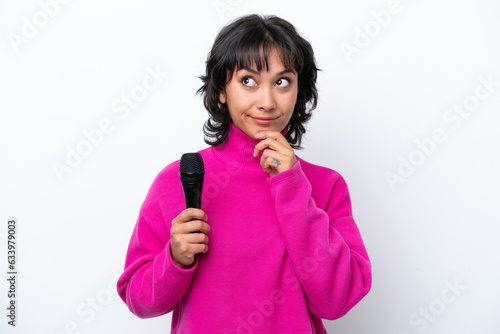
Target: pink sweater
284, 251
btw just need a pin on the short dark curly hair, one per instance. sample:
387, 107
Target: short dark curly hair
238, 45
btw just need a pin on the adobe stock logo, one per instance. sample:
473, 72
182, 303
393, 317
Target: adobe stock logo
223, 6
30, 28
363, 37
89, 309
429, 313
426, 147
94, 137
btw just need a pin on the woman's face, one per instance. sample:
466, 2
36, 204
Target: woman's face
264, 100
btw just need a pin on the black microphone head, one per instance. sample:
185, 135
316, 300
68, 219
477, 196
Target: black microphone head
191, 168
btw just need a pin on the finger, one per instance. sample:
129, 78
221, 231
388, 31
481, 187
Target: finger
199, 248
271, 134
275, 144
271, 159
196, 247
192, 213
272, 144
192, 226
205, 228
190, 250
194, 238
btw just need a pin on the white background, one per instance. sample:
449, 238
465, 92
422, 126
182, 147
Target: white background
439, 227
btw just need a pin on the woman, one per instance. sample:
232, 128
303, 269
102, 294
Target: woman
279, 249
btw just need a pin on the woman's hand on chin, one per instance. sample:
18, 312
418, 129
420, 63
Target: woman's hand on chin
277, 155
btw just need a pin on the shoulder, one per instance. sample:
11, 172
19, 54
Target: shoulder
170, 173
166, 187
320, 174
328, 187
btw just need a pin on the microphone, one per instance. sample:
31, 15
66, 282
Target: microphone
192, 171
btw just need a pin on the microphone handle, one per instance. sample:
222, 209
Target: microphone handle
192, 196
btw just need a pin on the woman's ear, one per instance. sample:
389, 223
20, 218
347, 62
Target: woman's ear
222, 97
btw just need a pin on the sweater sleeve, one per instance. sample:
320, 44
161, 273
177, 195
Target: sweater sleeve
152, 284
325, 246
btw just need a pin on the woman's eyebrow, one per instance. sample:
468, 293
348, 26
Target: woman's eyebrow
249, 70
256, 72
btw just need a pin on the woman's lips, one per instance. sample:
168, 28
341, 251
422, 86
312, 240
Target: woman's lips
263, 120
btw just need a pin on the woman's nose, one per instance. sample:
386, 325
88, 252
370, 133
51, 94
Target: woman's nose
266, 100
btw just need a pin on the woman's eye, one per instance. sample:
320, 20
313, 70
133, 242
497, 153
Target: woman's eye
283, 82
247, 81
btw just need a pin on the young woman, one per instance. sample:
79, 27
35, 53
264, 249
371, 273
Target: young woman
279, 248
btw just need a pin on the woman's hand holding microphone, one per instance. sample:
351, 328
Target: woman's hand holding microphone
184, 243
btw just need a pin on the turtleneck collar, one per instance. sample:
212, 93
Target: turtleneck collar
239, 148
